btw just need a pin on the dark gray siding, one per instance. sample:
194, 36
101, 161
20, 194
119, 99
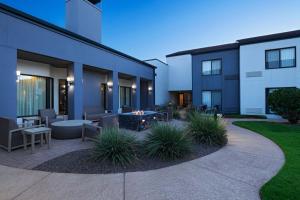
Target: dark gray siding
227, 82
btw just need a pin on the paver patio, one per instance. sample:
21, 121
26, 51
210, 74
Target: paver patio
237, 171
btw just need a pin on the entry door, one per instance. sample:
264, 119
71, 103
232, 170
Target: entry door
63, 96
104, 96
181, 99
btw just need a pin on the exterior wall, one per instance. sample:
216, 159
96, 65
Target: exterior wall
84, 18
18, 33
161, 82
252, 60
180, 73
227, 82
92, 91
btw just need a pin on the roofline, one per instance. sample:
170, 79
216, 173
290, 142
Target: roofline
156, 60
270, 37
24, 16
217, 48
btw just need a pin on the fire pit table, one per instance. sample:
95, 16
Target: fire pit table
69, 129
138, 120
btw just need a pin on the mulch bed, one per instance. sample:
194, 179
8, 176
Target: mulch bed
80, 162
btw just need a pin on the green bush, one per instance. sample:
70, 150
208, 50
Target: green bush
116, 147
167, 143
286, 103
205, 129
176, 114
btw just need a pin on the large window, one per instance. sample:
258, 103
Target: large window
281, 58
212, 99
211, 67
33, 93
125, 96
268, 92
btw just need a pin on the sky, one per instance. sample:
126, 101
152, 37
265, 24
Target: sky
149, 29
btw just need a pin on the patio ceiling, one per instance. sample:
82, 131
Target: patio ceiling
25, 55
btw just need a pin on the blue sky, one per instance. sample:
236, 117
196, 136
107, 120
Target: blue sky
153, 28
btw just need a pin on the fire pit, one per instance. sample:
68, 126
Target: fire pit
137, 120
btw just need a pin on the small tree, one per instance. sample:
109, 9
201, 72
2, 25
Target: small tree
286, 103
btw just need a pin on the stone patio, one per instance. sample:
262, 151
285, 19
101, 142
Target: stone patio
236, 171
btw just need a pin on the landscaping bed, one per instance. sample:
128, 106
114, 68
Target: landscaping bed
81, 162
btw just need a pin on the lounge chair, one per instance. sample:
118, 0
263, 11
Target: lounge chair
11, 136
48, 116
91, 131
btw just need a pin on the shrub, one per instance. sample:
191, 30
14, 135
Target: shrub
116, 147
176, 114
167, 143
205, 129
286, 103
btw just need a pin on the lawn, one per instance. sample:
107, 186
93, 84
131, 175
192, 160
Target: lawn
286, 184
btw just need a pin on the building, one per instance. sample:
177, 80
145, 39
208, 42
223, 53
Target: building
235, 77
210, 76
267, 63
46, 66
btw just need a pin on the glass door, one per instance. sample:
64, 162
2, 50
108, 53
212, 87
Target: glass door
63, 96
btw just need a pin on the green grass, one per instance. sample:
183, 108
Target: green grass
286, 184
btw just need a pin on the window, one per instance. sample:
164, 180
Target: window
33, 93
268, 92
211, 67
281, 58
212, 99
125, 96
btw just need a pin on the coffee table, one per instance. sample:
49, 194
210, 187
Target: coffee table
69, 129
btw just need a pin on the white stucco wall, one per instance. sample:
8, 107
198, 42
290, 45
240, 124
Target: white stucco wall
46, 70
84, 18
161, 81
180, 73
252, 89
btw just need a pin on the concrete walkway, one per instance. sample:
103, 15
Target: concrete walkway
237, 171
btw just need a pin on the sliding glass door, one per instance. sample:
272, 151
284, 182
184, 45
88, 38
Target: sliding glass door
33, 93
125, 96
212, 99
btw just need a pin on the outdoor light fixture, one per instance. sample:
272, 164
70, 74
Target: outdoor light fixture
110, 85
133, 88
150, 88
18, 76
70, 80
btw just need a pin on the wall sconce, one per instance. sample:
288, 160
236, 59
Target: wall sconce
150, 88
110, 86
133, 87
18, 76
70, 80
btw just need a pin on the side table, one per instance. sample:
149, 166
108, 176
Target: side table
37, 131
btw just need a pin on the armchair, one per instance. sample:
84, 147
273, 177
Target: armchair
48, 116
11, 136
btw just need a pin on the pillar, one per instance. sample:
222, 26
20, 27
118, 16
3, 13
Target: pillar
75, 91
8, 86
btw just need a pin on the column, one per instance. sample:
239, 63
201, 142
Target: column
137, 93
113, 91
75, 91
150, 94
8, 86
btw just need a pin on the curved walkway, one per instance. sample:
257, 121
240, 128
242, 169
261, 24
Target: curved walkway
237, 171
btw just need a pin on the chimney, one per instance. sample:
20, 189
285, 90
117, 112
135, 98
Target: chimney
84, 18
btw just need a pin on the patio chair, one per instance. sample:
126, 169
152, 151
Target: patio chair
126, 109
90, 131
109, 121
11, 136
48, 116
